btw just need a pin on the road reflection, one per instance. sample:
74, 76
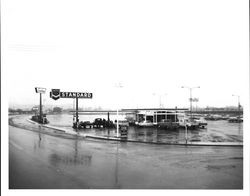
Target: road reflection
116, 166
38, 143
156, 135
60, 158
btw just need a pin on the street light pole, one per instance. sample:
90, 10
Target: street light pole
119, 85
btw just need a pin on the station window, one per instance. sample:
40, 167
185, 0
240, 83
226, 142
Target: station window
149, 118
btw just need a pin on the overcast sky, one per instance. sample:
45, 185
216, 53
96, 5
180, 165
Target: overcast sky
152, 47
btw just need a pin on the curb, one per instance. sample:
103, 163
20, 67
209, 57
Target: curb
164, 143
47, 126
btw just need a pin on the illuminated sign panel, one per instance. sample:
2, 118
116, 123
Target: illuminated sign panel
40, 90
75, 94
56, 94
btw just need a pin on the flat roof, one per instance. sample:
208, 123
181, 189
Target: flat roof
153, 109
131, 110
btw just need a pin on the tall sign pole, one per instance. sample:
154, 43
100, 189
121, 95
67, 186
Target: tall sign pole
40, 91
77, 117
41, 108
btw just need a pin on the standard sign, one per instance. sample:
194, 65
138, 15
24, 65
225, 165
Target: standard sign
56, 94
40, 90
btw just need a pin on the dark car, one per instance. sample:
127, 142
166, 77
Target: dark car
85, 124
98, 122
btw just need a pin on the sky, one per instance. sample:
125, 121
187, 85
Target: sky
151, 47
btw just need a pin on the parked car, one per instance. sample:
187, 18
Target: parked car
85, 124
235, 120
201, 121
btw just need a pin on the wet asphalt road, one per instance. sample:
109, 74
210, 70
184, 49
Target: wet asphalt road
38, 160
